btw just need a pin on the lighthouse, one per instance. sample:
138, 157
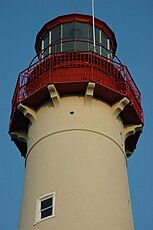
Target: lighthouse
76, 118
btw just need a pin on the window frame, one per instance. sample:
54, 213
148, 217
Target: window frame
38, 210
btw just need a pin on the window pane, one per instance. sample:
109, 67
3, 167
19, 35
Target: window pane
68, 46
56, 34
46, 213
91, 46
97, 38
104, 41
90, 32
68, 31
104, 52
81, 46
97, 34
81, 30
56, 48
46, 44
46, 40
47, 203
46, 52
97, 49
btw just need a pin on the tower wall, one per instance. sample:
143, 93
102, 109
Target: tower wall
81, 157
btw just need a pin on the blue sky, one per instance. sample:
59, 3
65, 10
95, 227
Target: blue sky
132, 22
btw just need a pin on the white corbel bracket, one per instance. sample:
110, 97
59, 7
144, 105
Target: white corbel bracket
130, 130
119, 106
28, 112
20, 135
89, 93
54, 95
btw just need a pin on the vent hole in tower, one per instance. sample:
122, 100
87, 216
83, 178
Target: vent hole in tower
71, 112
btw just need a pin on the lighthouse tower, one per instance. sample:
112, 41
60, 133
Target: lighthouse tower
76, 117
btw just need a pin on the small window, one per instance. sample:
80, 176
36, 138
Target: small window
45, 207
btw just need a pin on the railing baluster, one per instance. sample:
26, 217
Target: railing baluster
116, 76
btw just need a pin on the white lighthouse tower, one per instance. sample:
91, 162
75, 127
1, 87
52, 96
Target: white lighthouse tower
76, 117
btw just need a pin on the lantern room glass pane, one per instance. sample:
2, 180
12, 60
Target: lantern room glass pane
81, 31
97, 35
90, 32
56, 34
91, 46
97, 39
46, 40
98, 49
68, 46
68, 31
56, 48
45, 46
81, 46
104, 41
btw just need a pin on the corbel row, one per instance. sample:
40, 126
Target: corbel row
116, 108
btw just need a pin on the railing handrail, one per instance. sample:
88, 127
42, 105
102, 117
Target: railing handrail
123, 70
60, 41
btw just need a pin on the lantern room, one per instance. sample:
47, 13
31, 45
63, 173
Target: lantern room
74, 32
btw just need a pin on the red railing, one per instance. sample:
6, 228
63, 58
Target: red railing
57, 68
